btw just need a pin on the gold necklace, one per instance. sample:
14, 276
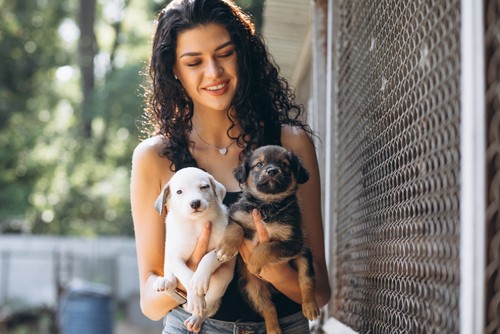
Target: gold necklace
222, 150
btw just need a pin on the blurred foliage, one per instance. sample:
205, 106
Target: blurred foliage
56, 180
28, 61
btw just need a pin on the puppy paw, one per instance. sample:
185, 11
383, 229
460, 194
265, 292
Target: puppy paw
310, 310
167, 283
254, 268
196, 304
193, 323
226, 252
230, 243
200, 282
258, 259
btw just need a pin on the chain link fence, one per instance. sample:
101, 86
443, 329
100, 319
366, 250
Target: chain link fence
397, 165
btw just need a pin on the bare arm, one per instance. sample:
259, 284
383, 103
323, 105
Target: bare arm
310, 203
283, 277
149, 173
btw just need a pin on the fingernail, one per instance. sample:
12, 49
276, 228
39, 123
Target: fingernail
208, 225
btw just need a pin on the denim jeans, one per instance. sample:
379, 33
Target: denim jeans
174, 324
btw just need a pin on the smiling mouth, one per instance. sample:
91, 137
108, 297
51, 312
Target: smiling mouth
217, 87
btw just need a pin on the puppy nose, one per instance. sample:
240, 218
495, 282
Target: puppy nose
271, 171
196, 204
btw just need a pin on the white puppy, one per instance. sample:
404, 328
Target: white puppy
193, 198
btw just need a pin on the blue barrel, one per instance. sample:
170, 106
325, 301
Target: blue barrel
86, 309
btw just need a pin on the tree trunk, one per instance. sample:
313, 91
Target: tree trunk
87, 49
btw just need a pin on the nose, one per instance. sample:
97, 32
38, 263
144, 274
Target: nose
195, 204
214, 69
272, 171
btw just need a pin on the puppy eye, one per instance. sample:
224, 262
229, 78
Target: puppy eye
179, 192
259, 164
206, 186
283, 164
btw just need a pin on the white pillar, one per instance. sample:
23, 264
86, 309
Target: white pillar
473, 146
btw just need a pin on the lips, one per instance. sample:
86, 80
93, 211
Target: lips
218, 88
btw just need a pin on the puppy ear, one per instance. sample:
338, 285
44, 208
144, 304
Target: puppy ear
301, 173
241, 172
219, 189
162, 199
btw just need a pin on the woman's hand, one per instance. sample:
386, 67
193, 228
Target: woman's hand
270, 272
199, 251
247, 246
280, 275
201, 247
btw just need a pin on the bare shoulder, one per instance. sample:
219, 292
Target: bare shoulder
147, 157
149, 148
297, 140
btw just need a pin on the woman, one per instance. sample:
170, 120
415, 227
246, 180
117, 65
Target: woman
216, 95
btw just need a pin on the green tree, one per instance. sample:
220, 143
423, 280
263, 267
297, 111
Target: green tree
28, 56
70, 100
84, 190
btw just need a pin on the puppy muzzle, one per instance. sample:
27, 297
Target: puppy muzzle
197, 206
272, 183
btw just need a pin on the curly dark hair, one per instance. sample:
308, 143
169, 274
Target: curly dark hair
263, 100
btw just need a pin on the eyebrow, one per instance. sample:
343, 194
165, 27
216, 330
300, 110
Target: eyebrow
191, 54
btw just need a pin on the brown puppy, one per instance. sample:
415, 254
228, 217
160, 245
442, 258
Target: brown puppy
270, 176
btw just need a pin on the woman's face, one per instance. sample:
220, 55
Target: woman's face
205, 64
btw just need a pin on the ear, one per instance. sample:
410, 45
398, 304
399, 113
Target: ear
241, 172
162, 199
301, 173
219, 189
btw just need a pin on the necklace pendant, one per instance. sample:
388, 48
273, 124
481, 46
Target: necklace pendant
223, 150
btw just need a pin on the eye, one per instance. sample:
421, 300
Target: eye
205, 186
194, 64
179, 192
227, 54
259, 164
283, 164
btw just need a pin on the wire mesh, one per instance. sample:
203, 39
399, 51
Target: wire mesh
397, 165
492, 60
